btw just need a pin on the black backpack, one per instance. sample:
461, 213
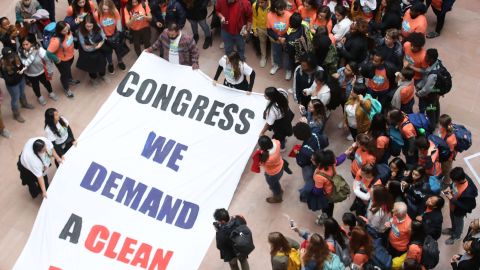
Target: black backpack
443, 85
241, 237
430, 253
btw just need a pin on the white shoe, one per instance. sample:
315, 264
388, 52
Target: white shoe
288, 75
53, 96
341, 125
274, 69
222, 45
42, 100
5, 133
349, 137
263, 62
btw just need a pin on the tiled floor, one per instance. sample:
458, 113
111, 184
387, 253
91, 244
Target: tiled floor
459, 50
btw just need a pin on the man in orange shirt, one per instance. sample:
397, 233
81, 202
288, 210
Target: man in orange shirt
381, 78
440, 8
399, 120
461, 194
400, 230
403, 98
414, 20
445, 129
415, 55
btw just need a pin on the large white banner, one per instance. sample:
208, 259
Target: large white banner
138, 192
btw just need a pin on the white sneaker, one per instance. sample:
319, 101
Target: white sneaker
274, 69
53, 96
349, 137
5, 133
42, 100
263, 62
222, 45
341, 125
288, 75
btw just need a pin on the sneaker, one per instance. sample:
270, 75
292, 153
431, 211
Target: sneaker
341, 125
73, 82
274, 69
433, 34
111, 70
321, 219
274, 199
222, 45
42, 100
263, 62
122, 66
69, 93
450, 241
349, 137
5, 133
53, 96
447, 231
288, 75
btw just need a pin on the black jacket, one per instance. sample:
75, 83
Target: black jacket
470, 264
355, 48
466, 202
432, 223
416, 196
393, 56
391, 19
198, 11
224, 244
11, 78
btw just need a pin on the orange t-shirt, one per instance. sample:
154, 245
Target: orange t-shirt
407, 93
316, 23
65, 51
360, 259
293, 5
139, 23
416, 59
82, 12
279, 24
400, 232
108, 22
379, 82
361, 158
323, 182
414, 252
437, 4
409, 25
365, 182
408, 131
457, 191
308, 15
382, 142
451, 141
274, 164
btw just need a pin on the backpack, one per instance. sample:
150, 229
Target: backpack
443, 149
341, 189
333, 264
420, 122
241, 238
464, 137
443, 85
435, 184
430, 253
396, 142
380, 256
343, 254
375, 107
294, 262
48, 33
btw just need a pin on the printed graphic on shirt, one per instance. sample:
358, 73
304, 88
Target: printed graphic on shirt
229, 74
173, 47
409, 59
406, 26
358, 158
280, 26
69, 41
108, 22
395, 230
378, 79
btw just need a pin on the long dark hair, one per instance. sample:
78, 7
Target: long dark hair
89, 19
234, 59
332, 229
50, 122
324, 159
37, 146
32, 40
278, 243
58, 30
378, 126
265, 144
129, 5
381, 199
317, 250
360, 239
76, 8
276, 98
319, 111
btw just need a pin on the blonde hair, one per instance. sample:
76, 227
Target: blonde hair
110, 5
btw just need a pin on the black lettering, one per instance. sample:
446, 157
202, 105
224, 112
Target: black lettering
75, 222
129, 91
243, 118
227, 111
213, 112
147, 84
201, 103
178, 99
163, 97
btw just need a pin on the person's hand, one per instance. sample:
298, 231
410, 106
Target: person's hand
304, 92
403, 185
449, 195
99, 45
349, 150
78, 20
223, 21
255, 33
335, 76
455, 258
342, 41
388, 224
44, 194
60, 160
406, 63
364, 219
195, 66
148, 50
394, 174
419, 218
303, 119
159, 24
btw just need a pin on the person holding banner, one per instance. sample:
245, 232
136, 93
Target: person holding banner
235, 71
33, 163
58, 131
278, 115
271, 160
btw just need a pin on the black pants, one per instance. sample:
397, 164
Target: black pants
354, 133
430, 105
95, 75
35, 81
440, 19
329, 209
141, 37
29, 179
65, 69
241, 86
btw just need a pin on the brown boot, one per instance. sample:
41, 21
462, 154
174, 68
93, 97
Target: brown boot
18, 117
275, 199
25, 104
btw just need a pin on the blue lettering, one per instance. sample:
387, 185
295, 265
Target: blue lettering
168, 210
151, 203
96, 171
110, 184
130, 191
158, 147
187, 216
176, 155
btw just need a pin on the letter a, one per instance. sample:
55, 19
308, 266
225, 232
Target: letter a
75, 222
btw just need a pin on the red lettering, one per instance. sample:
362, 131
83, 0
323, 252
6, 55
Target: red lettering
126, 250
97, 231
110, 251
159, 262
142, 256
54, 268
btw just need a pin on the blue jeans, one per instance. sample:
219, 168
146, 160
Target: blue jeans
279, 56
230, 41
16, 92
307, 173
273, 182
203, 25
457, 225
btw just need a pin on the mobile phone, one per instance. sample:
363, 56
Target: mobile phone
292, 223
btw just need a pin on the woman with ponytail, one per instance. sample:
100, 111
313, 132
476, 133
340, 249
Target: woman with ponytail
271, 160
235, 71
58, 131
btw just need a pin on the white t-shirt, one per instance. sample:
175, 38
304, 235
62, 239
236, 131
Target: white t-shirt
62, 130
274, 112
31, 162
228, 71
351, 117
173, 52
341, 28
323, 94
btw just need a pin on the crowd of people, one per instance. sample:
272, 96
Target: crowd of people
368, 58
